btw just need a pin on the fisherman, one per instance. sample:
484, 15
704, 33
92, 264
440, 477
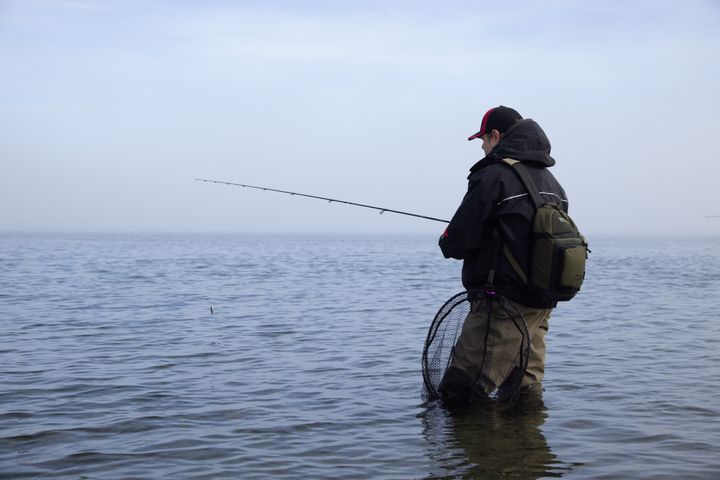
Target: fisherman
497, 212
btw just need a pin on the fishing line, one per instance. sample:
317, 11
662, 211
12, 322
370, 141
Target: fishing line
328, 199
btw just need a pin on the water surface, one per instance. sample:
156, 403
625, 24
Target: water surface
112, 366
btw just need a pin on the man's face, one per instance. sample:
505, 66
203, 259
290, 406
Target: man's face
490, 140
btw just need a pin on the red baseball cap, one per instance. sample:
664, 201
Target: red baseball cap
498, 118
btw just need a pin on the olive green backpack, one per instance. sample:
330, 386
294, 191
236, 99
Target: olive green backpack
557, 249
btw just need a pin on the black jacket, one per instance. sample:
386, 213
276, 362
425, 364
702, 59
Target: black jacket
497, 199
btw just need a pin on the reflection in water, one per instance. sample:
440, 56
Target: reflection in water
488, 442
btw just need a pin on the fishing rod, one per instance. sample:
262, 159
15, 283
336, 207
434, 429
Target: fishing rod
330, 200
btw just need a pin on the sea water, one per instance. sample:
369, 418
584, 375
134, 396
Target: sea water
260, 356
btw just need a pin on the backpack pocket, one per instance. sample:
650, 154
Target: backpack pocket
572, 273
558, 255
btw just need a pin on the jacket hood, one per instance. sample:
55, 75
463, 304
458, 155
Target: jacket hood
525, 141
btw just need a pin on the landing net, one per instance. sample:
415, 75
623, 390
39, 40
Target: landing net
500, 343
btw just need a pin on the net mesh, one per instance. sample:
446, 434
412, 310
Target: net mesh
441, 338
495, 333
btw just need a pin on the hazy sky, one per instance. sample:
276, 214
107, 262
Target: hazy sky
110, 109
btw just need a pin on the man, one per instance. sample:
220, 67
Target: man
497, 212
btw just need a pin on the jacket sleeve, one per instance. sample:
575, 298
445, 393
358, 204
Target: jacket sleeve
464, 235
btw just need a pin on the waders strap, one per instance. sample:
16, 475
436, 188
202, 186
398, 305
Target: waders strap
495, 256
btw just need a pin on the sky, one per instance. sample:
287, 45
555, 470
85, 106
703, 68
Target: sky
109, 111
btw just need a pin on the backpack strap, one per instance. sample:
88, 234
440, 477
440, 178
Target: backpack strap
532, 190
501, 246
524, 175
514, 263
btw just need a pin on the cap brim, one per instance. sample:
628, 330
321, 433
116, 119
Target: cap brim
473, 137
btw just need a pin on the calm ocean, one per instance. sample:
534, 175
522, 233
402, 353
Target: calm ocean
112, 365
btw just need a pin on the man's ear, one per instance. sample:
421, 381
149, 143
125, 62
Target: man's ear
495, 135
